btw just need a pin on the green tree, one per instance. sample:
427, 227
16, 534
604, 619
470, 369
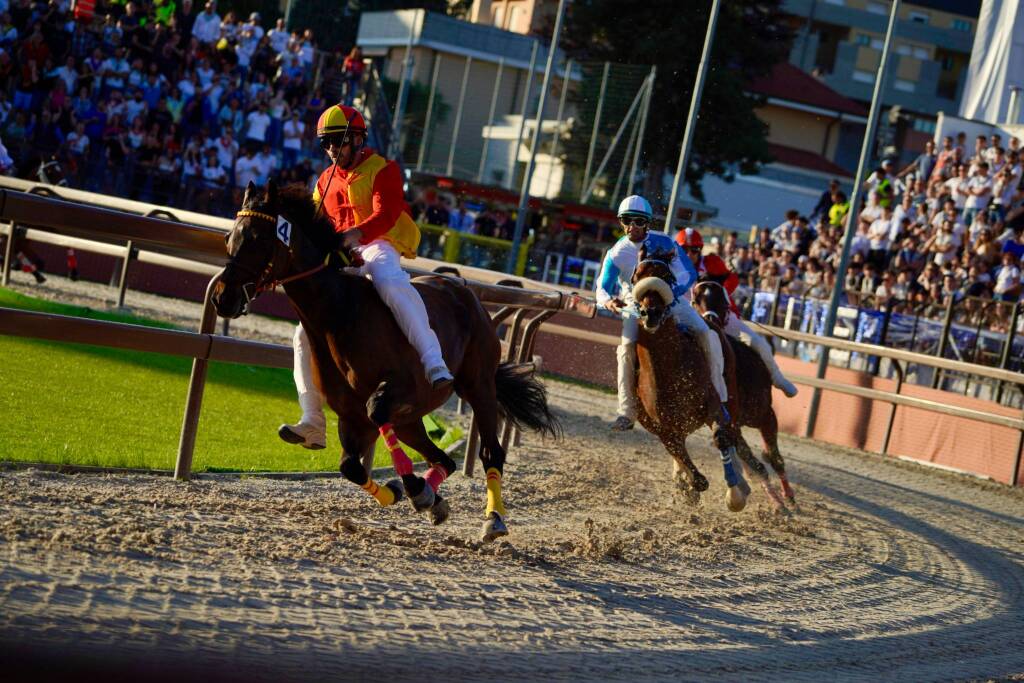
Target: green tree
752, 36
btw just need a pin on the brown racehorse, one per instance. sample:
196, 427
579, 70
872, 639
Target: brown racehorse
674, 386
754, 387
362, 363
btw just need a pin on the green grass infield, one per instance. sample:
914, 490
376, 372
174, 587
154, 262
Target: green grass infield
75, 404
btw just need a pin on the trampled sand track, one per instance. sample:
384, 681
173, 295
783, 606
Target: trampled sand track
888, 571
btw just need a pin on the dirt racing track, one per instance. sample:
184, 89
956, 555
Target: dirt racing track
887, 571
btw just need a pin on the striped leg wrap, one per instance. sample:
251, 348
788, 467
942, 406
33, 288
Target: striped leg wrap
401, 461
383, 494
435, 476
494, 502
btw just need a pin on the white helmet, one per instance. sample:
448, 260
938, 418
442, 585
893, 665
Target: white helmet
635, 205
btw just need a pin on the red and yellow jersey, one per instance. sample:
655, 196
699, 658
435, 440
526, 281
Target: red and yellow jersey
369, 197
713, 265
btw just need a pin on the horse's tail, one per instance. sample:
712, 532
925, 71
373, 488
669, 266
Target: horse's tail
523, 400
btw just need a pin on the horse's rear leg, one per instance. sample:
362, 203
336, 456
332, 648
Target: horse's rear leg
770, 436
757, 469
356, 443
441, 465
484, 400
725, 437
380, 408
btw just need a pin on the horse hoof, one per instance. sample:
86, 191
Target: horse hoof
439, 511
700, 482
494, 528
690, 497
424, 499
396, 488
735, 498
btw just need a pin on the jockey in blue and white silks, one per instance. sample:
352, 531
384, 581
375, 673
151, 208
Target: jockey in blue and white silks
614, 292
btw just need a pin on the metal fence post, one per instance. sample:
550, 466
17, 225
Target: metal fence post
514, 156
430, 112
122, 282
1004, 361
892, 413
458, 115
5, 279
593, 134
947, 324
490, 120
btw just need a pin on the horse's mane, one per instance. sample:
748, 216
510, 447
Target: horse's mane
302, 210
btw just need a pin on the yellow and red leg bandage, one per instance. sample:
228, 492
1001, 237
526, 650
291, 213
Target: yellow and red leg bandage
401, 461
382, 494
494, 502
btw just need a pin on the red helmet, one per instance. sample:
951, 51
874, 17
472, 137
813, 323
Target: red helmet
688, 237
339, 117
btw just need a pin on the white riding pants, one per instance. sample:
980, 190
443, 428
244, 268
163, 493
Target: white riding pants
625, 353
737, 329
382, 265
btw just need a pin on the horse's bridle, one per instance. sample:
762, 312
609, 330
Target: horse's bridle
711, 314
264, 281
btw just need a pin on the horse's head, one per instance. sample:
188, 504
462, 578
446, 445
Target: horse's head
260, 246
711, 301
652, 287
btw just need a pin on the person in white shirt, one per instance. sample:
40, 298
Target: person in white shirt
135, 107
949, 213
257, 123
227, 150
246, 171
861, 244
254, 25
878, 236
266, 164
205, 73
207, 25
904, 210
957, 187
1003, 191
873, 209
1008, 278
67, 73
294, 129
979, 192
279, 37
943, 244
115, 70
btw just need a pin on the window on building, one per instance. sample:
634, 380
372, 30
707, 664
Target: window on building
877, 8
517, 14
863, 76
903, 85
499, 16
925, 126
877, 43
903, 49
919, 17
962, 25
863, 39
922, 53
835, 2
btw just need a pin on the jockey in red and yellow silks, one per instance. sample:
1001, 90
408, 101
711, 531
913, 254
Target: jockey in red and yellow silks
713, 266
361, 193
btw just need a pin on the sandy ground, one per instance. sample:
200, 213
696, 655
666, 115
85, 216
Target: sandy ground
886, 571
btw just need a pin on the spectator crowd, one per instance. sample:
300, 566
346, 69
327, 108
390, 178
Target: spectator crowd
943, 228
161, 100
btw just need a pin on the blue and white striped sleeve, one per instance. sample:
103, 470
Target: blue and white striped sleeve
608, 281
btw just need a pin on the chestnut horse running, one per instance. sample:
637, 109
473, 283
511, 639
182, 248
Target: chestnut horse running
673, 386
367, 371
754, 392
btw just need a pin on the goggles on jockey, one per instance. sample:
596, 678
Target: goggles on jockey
337, 139
638, 221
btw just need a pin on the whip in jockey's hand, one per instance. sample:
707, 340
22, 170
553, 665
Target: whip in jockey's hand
361, 193
614, 292
693, 244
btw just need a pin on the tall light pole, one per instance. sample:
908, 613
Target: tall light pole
691, 120
852, 218
524, 192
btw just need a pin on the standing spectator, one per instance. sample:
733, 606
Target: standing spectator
206, 27
979, 192
257, 123
294, 130
878, 234
226, 150
1008, 284
957, 187
246, 171
279, 37
460, 219
944, 160
353, 71
437, 213
266, 163
923, 165
825, 201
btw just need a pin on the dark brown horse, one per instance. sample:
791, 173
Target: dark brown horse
753, 390
362, 363
674, 386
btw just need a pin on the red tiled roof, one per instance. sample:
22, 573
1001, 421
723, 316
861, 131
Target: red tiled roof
800, 158
787, 82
